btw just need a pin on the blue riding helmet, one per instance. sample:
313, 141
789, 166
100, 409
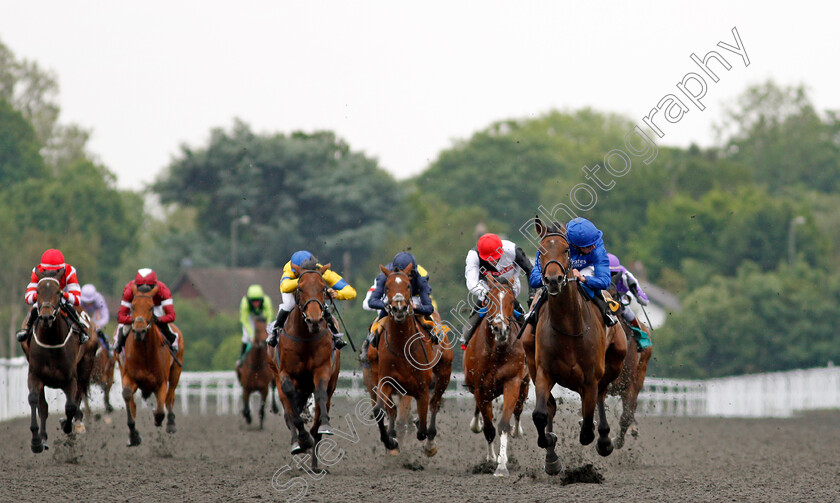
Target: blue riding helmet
299, 256
582, 233
402, 260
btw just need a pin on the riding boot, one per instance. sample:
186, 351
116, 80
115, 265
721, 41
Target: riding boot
121, 333
76, 322
363, 355
104, 341
338, 337
278, 326
171, 337
609, 317
469, 329
532, 317
642, 337
23, 334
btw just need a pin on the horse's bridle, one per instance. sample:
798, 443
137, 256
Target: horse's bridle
148, 323
55, 307
565, 280
408, 302
303, 307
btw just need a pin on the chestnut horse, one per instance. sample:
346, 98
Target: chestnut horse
494, 365
56, 360
631, 380
571, 346
147, 363
304, 362
254, 374
406, 362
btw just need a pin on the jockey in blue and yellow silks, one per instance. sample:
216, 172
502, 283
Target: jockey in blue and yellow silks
337, 288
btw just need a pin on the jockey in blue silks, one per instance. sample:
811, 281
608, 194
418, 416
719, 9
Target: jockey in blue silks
590, 266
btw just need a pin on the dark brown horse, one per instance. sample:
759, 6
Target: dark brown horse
56, 360
571, 346
103, 372
147, 364
405, 362
631, 380
254, 374
304, 362
494, 365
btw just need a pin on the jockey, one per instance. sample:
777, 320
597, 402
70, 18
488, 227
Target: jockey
625, 283
94, 305
421, 297
53, 260
337, 288
164, 308
255, 303
590, 266
495, 257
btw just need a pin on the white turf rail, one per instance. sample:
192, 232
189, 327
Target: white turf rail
778, 394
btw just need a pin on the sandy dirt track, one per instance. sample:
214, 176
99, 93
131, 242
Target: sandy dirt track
214, 458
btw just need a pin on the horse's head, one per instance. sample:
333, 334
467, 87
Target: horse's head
311, 295
500, 309
555, 257
398, 292
49, 295
142, 310
260, 333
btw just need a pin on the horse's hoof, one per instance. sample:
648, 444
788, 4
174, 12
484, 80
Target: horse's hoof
80, 429
306, 441
553, 467
170, 428
393, 446
501, 471
587, 436
325, 429
296, 449
421, 435
619, 442
476, 425
247, 417
38, 448
430, 451
133, 439
604, 447
394, 452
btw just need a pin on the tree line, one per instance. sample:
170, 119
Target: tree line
713, 225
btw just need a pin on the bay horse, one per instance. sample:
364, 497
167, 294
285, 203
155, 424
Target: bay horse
572, 347
631, 380
406, 362
103, 373
254, 373
304, 362
56, 360
147, 363
494, 365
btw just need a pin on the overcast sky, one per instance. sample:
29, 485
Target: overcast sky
397, 80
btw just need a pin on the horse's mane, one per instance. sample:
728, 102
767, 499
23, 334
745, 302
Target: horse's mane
503, 282
144, 288
556, 228
309, 264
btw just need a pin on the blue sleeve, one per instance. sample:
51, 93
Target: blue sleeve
535, 279
601, 279
425, 293
378, 293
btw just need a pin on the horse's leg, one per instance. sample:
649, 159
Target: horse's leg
174, 378
36, 391
322, 383
290, 397
477, 424
106, 388
263, 398
588, 400
486, 407
70, 405
316, 435
516, 431
274, 408
605, 444
246, 406
423, 413
160, 400
129, 388
542, 386
441, 383
379, 412
511, 395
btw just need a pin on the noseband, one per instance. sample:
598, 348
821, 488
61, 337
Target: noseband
54, 307
409, 305
565, 279
302, 308
141, 319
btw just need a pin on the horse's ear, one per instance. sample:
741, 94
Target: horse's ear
540, 228
296, 269
39, 274
325, 268
384, 270
61, 272
492, 281
408, 269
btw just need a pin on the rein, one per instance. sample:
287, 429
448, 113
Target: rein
302, 310
566, 280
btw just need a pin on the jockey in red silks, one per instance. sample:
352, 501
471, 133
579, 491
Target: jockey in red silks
53, 260
146, 280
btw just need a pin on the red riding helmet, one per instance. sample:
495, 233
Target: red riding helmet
490, 247
145, 276
52, 260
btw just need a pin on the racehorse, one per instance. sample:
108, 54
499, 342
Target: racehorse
494, 365
103, 373
571, 346
304, 362
148, 364
254, 374
56, 360
631, 380
406, 362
